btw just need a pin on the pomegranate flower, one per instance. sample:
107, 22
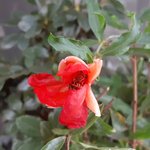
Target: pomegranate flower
72, 91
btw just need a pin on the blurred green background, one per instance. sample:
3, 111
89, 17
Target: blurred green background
25, 25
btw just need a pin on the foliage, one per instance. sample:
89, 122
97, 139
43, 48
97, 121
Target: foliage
58, 28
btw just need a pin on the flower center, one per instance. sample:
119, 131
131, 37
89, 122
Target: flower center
78, 81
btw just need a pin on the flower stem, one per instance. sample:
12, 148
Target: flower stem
106, 41
67, 143
135, 98
99, 47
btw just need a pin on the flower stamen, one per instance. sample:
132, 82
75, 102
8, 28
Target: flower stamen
79, 80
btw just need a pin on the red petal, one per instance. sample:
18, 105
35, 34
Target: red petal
75, 112
95, 69
48, 90
70, 70
92, 103
52, 96
41, 79
70, 60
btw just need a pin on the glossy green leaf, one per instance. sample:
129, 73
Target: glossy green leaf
92, 147
88, 146
31, 144
55, 144
96, 19
107, 129
69, 45
29, 125
122, 43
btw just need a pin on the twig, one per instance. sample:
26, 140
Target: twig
135, 98
104, 92
67, 143
108, 106
86, 137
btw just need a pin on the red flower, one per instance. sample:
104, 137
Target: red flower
72, 92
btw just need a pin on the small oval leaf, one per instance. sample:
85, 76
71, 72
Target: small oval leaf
55, 144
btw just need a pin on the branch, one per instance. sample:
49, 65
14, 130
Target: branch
135, 98
67, 143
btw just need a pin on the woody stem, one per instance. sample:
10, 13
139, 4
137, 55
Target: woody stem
135, 97
67, 143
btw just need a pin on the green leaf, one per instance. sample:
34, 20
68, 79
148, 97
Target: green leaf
117, 123
59, 131
145, 104
27, 22
140, 51
8, 71
107, 129
31, 1
45, 130
42, 7
145, 15
96, 20
88, 146
16, 144
83, 22
14, 102
31, 54
143, 133
118, 5
53, 118
69, 45
8, 115
91, 120
31, 144
115, 22
29, 125
144, 39
118, 104
89, 42
9, 41
55, 144
22, 43
122, 43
